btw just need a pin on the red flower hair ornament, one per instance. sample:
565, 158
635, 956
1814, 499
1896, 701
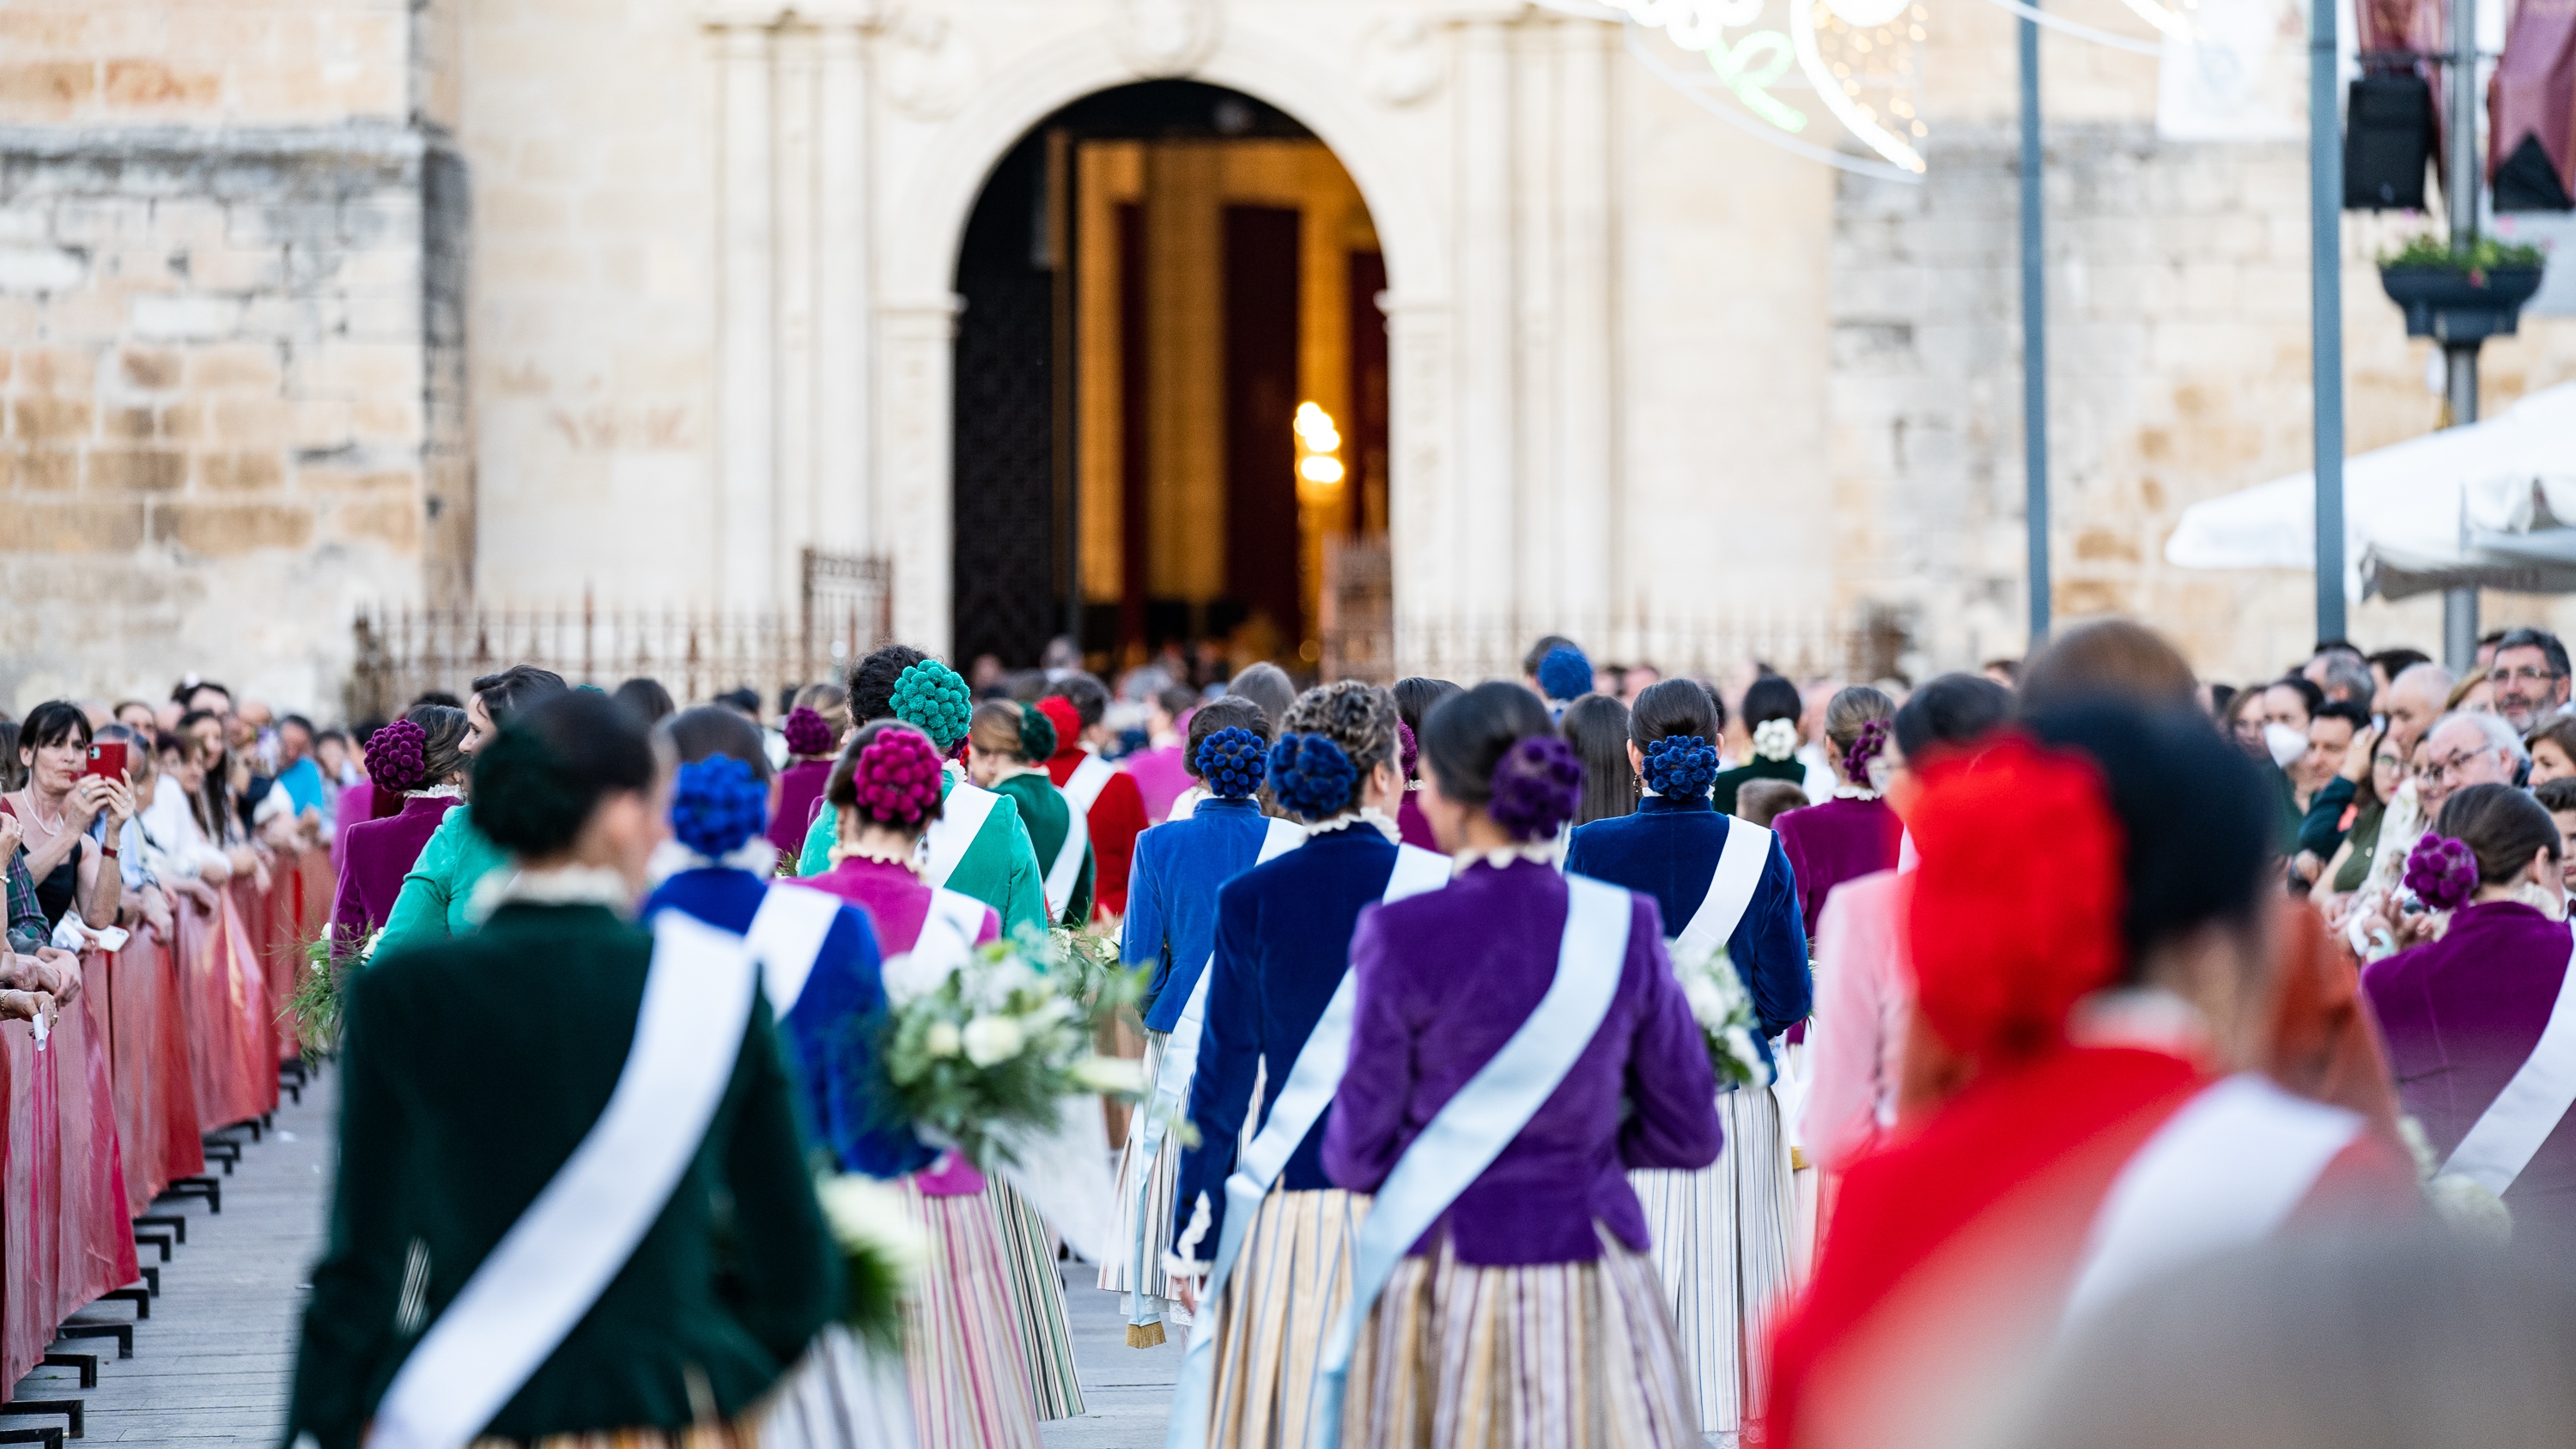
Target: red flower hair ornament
2015, 912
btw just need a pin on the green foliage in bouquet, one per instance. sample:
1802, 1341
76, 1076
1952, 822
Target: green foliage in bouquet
1087, 970
991, 1048
317, 1005
882, 1252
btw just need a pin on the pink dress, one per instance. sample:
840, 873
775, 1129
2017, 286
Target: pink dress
1160, 778
1864, 989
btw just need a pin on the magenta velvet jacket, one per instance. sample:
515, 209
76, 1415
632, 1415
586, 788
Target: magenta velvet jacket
800, 796
1443, 980
895, 899
376, 857
2460, 1016
1836, 841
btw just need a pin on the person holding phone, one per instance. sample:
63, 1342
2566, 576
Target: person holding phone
58, 807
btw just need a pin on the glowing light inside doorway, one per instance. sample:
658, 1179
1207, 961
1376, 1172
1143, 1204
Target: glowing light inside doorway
1319, 472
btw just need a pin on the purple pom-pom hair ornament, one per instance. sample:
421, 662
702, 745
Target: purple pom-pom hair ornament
716, 805
394, 756
2443, 871
896, 778
807, 732
1869, 745
1409, 750
1536, 788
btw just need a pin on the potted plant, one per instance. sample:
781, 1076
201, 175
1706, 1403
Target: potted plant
2461, 294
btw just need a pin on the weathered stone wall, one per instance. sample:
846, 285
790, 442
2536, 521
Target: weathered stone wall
231, 273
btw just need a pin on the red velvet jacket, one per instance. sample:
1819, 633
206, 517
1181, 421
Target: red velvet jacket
1115, 820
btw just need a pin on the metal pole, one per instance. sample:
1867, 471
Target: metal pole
2460, 184
2034, 338
2325, 244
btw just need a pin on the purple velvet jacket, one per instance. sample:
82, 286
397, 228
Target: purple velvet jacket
1444, 979
2460, 1016
1833, 842
800, 795
378, 854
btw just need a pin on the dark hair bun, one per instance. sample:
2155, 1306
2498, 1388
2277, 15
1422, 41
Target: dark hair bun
537, 782
1232, 762
1311, 776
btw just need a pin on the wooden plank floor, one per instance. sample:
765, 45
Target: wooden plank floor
213, 1364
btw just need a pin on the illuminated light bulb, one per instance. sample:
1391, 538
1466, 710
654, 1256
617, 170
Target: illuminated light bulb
1323, 440
1320, 469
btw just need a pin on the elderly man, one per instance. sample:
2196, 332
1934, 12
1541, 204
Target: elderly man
2414, 700
2528, 677
2467, 749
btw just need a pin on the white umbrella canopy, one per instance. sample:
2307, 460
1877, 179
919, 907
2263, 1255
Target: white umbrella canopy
2491, 505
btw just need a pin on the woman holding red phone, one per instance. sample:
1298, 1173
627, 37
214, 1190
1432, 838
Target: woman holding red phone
56, 810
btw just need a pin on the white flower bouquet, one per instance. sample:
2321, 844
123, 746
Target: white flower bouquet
882, 1249
975, 1054
1724, 1011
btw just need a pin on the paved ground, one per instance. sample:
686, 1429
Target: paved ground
1126, 1392
212, 1364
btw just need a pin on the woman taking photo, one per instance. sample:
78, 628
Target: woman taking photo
988, 1346
420, 757
1517, 1295
1722, 1237
55, 811
488, 1179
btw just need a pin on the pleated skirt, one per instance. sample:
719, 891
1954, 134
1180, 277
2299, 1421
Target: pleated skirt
1037, 1297
741, 1434
1283, 1299
1722, 1239
1118, 1274
844, 1394
1543, 1356
965, 1361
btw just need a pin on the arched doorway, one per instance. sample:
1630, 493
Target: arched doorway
1170, 391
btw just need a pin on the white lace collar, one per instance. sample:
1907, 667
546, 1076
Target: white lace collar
1365, 815
571, 885
756, 855
437, 792
1853, 792
1542, 851
883, 856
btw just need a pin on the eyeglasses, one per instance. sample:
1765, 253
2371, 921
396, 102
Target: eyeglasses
2527, 674
2450, 765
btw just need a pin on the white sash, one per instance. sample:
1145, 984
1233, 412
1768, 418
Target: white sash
556, 1260
2225, 1171
786, 936
1060, 877
1730, 892
1172, 1078
1088, 779
945, 940
1468, 1132
1294, 1111
961, 816
2509, 1132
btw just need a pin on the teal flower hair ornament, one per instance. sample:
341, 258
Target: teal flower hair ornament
932, 698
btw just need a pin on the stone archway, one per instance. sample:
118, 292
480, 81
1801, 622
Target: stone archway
924, 221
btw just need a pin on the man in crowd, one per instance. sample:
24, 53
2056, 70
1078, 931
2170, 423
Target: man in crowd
2385, 666
2528, 677
2339, 671
2468, 748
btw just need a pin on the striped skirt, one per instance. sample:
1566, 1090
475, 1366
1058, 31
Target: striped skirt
1285, 1295
1118, 1274
1542, 1356
740, 1434
964, 1359
1037, 1297
1721, 1246
843, 1394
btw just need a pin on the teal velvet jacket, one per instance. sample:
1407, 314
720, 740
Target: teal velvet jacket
459, 1102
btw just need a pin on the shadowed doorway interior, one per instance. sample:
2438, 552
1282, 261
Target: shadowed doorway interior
1171, 384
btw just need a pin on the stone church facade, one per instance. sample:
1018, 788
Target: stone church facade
325, 304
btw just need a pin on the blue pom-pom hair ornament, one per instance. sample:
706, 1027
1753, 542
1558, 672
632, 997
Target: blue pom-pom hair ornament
1311, 776
717, 804
1232, 763
1565, 674
1681, 766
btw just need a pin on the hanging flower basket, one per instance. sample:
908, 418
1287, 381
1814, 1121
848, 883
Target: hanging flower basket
2461, 296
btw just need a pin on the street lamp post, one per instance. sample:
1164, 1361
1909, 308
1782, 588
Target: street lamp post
2034, 337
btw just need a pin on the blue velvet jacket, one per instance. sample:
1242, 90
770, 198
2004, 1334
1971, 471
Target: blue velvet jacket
1668, 849
1283, 940
1171, 898
827, 1038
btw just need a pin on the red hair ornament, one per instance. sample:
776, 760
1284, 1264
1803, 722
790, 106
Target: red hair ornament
2014, 913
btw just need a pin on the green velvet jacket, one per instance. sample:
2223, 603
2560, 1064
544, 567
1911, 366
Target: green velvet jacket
1723, 789
1048, 815
458, 1104
432, 904
999, 867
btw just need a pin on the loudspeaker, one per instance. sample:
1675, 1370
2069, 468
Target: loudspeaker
2528, 181
2387, 142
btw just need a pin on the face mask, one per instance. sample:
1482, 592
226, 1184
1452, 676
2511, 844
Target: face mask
2285, 744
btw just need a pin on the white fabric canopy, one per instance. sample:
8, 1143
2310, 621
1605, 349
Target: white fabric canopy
2492, 505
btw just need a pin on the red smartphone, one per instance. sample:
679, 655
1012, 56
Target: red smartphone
107, 760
